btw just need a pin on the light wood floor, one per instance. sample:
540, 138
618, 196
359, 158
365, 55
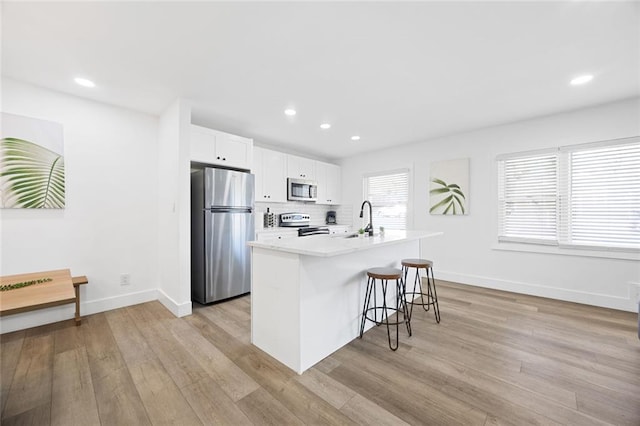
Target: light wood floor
496, 358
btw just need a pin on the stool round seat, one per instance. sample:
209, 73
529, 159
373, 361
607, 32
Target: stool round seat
385, 273
417, 263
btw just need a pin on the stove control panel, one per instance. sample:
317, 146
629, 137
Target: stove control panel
294, 219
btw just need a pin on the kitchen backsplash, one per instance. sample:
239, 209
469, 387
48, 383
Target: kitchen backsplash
317, 212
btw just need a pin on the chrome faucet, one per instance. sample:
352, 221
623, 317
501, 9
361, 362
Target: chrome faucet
369, 227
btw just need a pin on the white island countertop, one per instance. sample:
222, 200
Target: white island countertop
326, 246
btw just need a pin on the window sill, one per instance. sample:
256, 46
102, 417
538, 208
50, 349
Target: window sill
568, 251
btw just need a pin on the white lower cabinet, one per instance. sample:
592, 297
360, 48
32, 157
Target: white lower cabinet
276, 234
338, 229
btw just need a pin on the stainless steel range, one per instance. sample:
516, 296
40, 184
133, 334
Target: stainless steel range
302, 222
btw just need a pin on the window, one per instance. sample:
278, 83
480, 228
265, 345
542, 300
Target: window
576, 196
389, 195
528, 188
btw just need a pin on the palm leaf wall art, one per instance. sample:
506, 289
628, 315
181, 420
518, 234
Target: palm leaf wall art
449, 187
452, 196
31, 176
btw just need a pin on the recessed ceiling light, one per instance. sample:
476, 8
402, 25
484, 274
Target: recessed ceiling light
290, 112
84, 82
581, 79
355, 138
325, 126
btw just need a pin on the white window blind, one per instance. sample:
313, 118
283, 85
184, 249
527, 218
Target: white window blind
576, 196
528, 187
600, 204
389, 195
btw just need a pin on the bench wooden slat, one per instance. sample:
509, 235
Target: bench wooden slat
62, 290
38, 296
79, 280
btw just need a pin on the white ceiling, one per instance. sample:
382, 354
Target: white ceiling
392, 73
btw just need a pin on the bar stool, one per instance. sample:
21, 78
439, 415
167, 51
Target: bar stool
431, 295
384, 275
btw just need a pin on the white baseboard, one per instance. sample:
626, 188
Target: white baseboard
109, 303
62, 313
177, 309
602, 300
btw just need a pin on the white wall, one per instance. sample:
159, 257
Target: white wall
109, 225
174, 206
466, 253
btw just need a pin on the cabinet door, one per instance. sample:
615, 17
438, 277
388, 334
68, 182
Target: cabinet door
270, 236
308, 168
300, 167
233, 151
321, 179
339, 229
333, 181
328, 178
258, 170
275, 177
203, 145
271, 175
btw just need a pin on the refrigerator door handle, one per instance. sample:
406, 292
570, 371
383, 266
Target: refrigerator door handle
216, 209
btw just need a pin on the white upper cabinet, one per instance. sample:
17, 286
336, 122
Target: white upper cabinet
203, 144
234, 150
214, 147
270, 169
301, 168
328, 177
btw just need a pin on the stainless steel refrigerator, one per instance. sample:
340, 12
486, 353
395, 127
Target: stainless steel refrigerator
222, 222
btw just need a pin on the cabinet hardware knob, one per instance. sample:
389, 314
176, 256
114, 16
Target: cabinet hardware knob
218, 158
224, 159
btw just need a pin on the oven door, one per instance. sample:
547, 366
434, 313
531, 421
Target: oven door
301, 190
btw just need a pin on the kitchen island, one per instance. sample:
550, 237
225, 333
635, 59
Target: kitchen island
307, 293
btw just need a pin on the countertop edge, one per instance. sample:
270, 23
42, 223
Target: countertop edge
416, 235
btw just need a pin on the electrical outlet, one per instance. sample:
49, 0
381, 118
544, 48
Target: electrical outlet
125, 279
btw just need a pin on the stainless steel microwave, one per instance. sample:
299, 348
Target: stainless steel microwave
301, 190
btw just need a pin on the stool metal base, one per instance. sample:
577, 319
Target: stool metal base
426, 300
401, 306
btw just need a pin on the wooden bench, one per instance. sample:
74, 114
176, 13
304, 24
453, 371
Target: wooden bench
62, 289
77, 282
